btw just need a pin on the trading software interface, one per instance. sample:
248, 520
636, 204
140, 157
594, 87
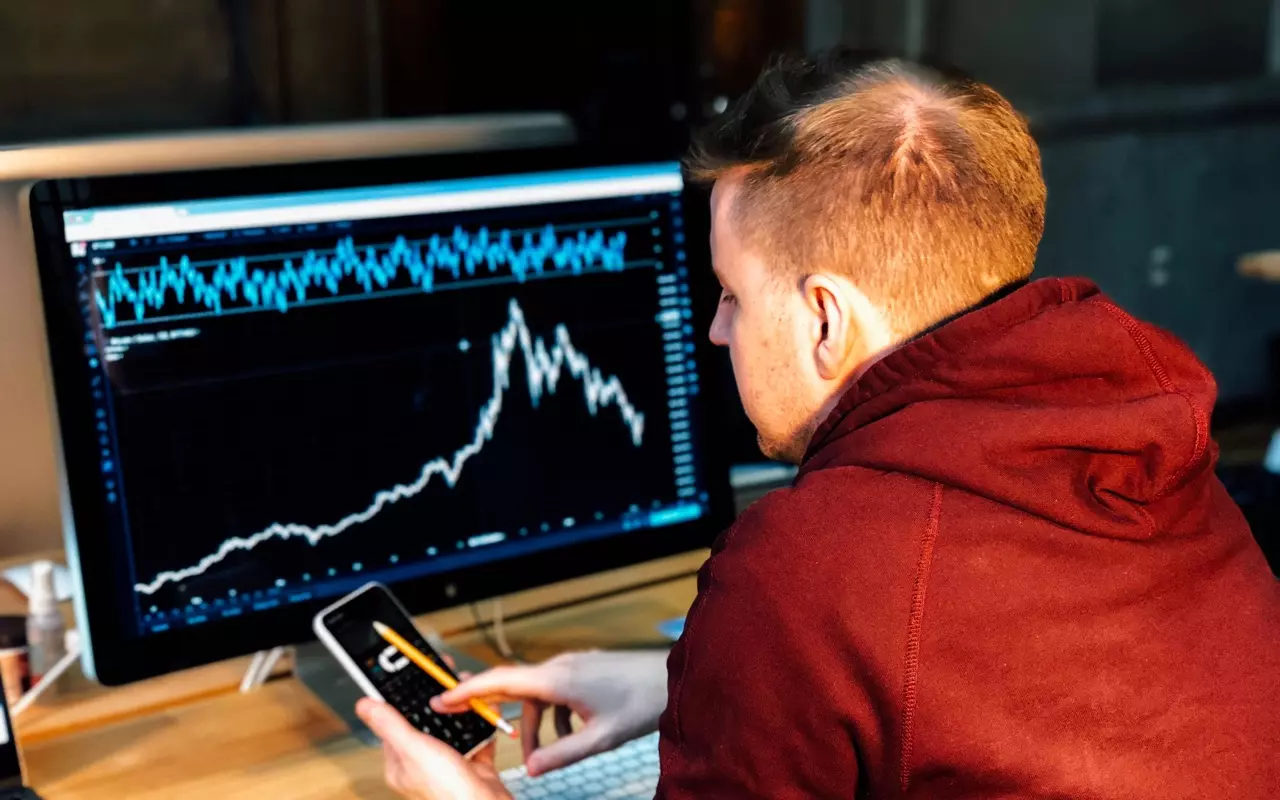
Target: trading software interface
295, 394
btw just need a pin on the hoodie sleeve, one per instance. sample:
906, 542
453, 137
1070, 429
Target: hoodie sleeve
750, 707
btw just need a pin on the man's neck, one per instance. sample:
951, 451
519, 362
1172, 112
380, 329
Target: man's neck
996, 296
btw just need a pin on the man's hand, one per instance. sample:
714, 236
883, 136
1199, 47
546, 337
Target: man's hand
420, 767
619, 697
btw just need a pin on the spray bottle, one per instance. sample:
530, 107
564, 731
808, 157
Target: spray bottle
46, 634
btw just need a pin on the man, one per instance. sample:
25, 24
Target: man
1005, 568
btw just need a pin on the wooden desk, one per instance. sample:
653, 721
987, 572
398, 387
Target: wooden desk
194, 736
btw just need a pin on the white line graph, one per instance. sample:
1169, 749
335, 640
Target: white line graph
545, 367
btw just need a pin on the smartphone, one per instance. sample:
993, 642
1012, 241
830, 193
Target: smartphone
383, 673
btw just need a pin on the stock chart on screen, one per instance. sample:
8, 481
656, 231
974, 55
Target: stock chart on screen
295, 394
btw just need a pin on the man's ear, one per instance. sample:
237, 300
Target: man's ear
847, 329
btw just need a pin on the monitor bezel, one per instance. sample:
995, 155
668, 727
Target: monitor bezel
114, 657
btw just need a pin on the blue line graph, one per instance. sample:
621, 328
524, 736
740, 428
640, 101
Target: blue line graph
169, 289
545, 365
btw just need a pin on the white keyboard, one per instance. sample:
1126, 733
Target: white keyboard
628, 773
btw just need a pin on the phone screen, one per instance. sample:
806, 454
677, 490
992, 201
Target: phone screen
399, 681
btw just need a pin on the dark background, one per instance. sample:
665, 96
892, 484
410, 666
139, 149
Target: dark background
1159, 120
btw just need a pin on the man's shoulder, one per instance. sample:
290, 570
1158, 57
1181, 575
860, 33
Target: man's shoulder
839, 521
831, 503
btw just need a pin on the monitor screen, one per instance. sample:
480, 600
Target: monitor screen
288, 395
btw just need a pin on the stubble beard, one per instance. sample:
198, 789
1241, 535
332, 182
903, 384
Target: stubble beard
791, 451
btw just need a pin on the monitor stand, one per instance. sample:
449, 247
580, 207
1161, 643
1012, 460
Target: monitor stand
317, 669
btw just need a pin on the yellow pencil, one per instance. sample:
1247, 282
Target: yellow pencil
441, 676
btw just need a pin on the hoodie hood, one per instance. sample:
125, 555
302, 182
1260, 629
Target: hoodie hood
1051, 400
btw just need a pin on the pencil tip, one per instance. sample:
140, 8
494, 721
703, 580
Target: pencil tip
379, 627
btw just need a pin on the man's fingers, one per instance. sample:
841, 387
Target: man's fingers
531, 727
419, 766
485, 755
438, 705
386, 723
531, 683
397, 737
564, 752
395, 732
409, 752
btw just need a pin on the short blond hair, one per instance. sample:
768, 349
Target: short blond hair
925, 189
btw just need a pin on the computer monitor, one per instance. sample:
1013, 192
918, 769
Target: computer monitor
30, 514
461, 376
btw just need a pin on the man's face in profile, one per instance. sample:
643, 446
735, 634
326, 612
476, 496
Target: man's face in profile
755, 321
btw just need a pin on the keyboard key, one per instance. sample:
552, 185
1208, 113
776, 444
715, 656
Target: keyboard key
628, 773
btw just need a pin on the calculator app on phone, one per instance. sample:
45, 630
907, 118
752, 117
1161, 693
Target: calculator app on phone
384, 673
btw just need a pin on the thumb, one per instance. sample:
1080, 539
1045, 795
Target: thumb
406, 741
565, 751
425, 766
387, 724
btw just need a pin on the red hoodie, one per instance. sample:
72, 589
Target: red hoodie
1006, 569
